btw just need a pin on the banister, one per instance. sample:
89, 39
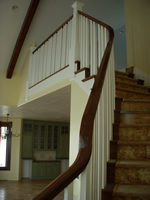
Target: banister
86, 128
66, 22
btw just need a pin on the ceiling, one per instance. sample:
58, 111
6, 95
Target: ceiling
49, 16
52, 107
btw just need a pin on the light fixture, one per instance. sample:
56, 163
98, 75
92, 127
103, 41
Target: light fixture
9, 132
15, 8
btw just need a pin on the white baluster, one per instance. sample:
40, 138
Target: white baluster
70, 34
41, 63
84, 43
87, 49
30, 67
94, 49
34, 68
37, 65
81, 41
63, 51
99, 45
53, 53
31, 72
91, 48
45, 59
99, 164
58, 48
68, 44
49, 58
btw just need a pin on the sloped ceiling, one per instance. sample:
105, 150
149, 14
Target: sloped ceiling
49, 16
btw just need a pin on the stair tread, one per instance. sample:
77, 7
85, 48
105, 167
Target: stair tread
134, 111
131, 154
134, 125
134, 142
137, 100
126, 77
131, 84
131, 142
124, 73
133, 190
132, 163
133, 91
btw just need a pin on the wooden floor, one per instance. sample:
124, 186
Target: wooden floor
24, 189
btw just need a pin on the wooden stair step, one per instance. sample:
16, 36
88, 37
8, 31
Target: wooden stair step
133, 163
130, 150
119, 73
131, 94
132, 172
131, 192
131, 132
129, 167
135, 117
135, 104
124, 85
126, 79
134, 143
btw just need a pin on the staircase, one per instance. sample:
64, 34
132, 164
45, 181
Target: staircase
128, 171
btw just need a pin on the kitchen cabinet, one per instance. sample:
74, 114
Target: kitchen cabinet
39, 136
45, 136
63, 149
45, 170
52, 138
27, 145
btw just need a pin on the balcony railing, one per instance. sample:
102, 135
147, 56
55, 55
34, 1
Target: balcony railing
89, 42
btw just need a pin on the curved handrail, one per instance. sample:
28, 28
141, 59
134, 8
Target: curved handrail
86, 129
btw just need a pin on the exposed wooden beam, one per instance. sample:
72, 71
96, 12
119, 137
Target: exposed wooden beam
22, 35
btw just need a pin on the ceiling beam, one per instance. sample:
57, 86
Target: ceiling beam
22, 35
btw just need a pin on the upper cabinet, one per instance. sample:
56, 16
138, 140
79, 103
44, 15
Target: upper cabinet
27, 143
53, 136
45, 136
39, 136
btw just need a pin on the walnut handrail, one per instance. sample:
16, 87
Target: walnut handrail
86, 128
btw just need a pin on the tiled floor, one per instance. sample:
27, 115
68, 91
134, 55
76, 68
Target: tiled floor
23, 190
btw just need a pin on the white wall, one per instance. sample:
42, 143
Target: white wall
137, 14
120, 51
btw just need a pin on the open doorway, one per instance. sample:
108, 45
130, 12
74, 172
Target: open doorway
5, 147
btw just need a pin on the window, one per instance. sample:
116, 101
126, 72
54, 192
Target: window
5, 146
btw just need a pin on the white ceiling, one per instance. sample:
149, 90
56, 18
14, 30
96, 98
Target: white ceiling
52, 107
49, 16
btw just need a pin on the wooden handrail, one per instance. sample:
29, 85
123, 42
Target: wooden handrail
66, 22
86, 129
